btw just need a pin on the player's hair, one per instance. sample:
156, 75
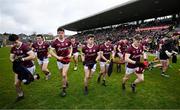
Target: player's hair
30, 41
73, 38
108, 39
40, 35
90, 36
60, 29
13, 37
137, 37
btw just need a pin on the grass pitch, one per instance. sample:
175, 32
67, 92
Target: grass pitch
154, 93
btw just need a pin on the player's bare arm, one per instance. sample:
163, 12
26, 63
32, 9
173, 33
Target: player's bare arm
54, 54
30, 57
128, 60
11, 57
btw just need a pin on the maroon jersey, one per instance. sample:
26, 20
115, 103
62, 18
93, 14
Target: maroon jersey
106, 51
135, 55
123, 46
90, 53
127, 43
41, 49
61, 47
117, 45
22, 52
75, 47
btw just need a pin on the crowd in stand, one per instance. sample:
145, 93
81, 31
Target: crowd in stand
154, 30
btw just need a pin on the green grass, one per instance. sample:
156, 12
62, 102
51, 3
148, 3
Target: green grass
156, 92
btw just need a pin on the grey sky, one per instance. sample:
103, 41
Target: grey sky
44, 16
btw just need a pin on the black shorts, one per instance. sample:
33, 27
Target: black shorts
42, 58
163, 56
90, 65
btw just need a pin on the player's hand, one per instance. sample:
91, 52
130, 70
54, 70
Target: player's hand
60, 58
97, 60
69, 56
139, 64
112, 60
49, 55
19, 59
174, 53
108, 61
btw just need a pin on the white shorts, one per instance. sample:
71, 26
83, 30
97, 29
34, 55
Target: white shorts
93, 69
40, 62
76, 54
157, 54
35, 53
130, 70
61, 65
103, 64
31, 69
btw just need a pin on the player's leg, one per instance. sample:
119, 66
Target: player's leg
44, 64
64, 78
152, 65
155, 60
120, 55
60, 66
127, 75
86, 78
105, 74
140, 78
164, 67
157, 65
88, 74
102, 71
45, 69
75, 57
92, 70
19, 91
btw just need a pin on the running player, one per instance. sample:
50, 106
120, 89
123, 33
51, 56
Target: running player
157, 58
165, 53
106, 50
63, 49
90, 55
75, 46
21, 52
41, 48
121, 48
160, 43
132, 57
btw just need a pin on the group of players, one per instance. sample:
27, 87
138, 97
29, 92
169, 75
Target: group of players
132, 54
